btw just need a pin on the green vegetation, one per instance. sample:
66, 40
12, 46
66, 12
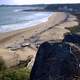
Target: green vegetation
75, 29
2, 64
19, 73
15, 74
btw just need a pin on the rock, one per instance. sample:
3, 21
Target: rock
76, 51
26, 62
74, 38
31, 63
55, 61
24, 44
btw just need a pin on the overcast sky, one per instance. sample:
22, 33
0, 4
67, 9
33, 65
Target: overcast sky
21, 2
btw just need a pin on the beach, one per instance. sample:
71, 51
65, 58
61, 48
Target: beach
24, 42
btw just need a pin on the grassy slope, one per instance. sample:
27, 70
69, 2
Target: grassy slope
75, 29
15, 74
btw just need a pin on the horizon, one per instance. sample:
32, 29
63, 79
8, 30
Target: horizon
31, 2
38, 4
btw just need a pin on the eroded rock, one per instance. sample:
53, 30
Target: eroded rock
55, 61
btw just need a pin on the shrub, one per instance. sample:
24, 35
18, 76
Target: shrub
2, 64
74, 29
15, 74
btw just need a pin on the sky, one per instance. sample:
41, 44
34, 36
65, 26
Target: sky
25, 2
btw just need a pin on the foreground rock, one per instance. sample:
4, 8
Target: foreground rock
73, 38
56, 61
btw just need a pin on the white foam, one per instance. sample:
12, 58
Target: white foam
17, 10
11, 27
26, 21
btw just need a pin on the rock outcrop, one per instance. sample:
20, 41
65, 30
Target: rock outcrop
73, 38
56, 61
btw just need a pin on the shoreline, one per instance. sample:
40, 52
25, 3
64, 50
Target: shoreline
29, 21
22, 25
25, 42
56, 20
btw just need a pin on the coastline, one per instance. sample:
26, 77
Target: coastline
56, 20
22, 20
14, 27
24, 41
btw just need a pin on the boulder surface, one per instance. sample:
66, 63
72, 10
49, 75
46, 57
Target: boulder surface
55, 61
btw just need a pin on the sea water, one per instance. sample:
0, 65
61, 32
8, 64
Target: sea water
14, 18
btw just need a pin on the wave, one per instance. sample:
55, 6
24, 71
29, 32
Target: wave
12, 27
28, 8
17, 10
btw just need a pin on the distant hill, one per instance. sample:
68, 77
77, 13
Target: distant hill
63, 7
34, 5
50, 7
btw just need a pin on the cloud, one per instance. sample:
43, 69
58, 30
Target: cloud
45, 1
19, 2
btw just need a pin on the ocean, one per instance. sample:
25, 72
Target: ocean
14, 18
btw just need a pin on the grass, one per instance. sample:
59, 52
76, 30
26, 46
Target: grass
15, 74
2, 64
18, 73
75, 29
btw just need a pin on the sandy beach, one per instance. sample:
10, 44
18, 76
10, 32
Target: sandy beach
25, 40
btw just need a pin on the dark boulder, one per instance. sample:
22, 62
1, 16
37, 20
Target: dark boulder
54, 61
74, 38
